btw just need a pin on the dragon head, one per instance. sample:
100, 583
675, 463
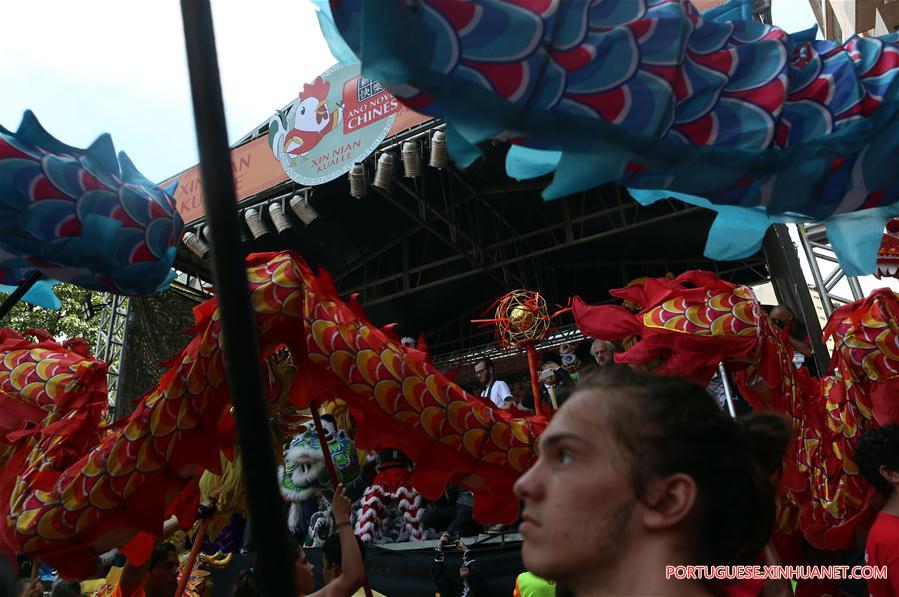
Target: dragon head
686, 325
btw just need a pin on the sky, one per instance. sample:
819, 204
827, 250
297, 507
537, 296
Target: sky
97, 66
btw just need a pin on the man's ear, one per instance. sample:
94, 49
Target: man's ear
891, 476
669, 501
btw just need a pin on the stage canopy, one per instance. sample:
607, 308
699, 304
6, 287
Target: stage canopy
437, 250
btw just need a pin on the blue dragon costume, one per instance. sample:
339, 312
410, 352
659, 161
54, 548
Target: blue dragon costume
83, 216
713, 109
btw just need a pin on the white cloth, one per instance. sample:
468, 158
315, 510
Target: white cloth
499, 391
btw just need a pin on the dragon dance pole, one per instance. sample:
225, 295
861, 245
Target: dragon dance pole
326, 450
192, 558
232, 289
19, 292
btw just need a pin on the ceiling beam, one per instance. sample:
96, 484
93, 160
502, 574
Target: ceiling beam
536, 253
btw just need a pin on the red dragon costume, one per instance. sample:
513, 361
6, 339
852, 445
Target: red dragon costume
71, 488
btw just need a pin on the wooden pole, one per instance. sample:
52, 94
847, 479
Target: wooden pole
192, 558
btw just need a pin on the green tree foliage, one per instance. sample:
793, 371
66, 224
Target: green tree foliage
69, 322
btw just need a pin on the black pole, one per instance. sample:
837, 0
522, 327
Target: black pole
238, 326
19, 292
782, 258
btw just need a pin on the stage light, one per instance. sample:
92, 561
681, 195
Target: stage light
304, 210
439, 155
358, 181
279, 218
412, 159
255, 223
196, 246
384, 172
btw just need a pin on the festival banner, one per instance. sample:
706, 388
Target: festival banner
337, 120
256, 168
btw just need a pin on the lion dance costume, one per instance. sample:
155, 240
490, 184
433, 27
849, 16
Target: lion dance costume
391, 508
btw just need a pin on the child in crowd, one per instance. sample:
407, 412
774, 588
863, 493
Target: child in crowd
877, 457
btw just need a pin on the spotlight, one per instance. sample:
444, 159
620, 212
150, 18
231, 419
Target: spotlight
439, 157
412, 159
304, 210
196, 246
254, 222
279, 218
203, 233
358, 181
384, 172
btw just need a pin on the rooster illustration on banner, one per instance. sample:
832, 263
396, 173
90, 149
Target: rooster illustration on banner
307, 137
312, 119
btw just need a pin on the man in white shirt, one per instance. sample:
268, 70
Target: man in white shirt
496, 389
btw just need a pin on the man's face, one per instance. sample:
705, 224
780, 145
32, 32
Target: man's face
549, 377
602, 353
781, 315
483, 372
578, 502
163, 578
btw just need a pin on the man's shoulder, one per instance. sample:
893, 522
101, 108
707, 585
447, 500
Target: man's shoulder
886, 524
501, 390
883, 538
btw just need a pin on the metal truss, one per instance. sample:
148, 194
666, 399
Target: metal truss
825, 268
191, 286
111, 338
446, 208
761, 12
467, 356
482, 237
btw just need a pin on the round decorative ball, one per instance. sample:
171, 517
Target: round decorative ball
521, 318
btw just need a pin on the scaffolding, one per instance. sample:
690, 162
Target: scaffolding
111, 338
825, 269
